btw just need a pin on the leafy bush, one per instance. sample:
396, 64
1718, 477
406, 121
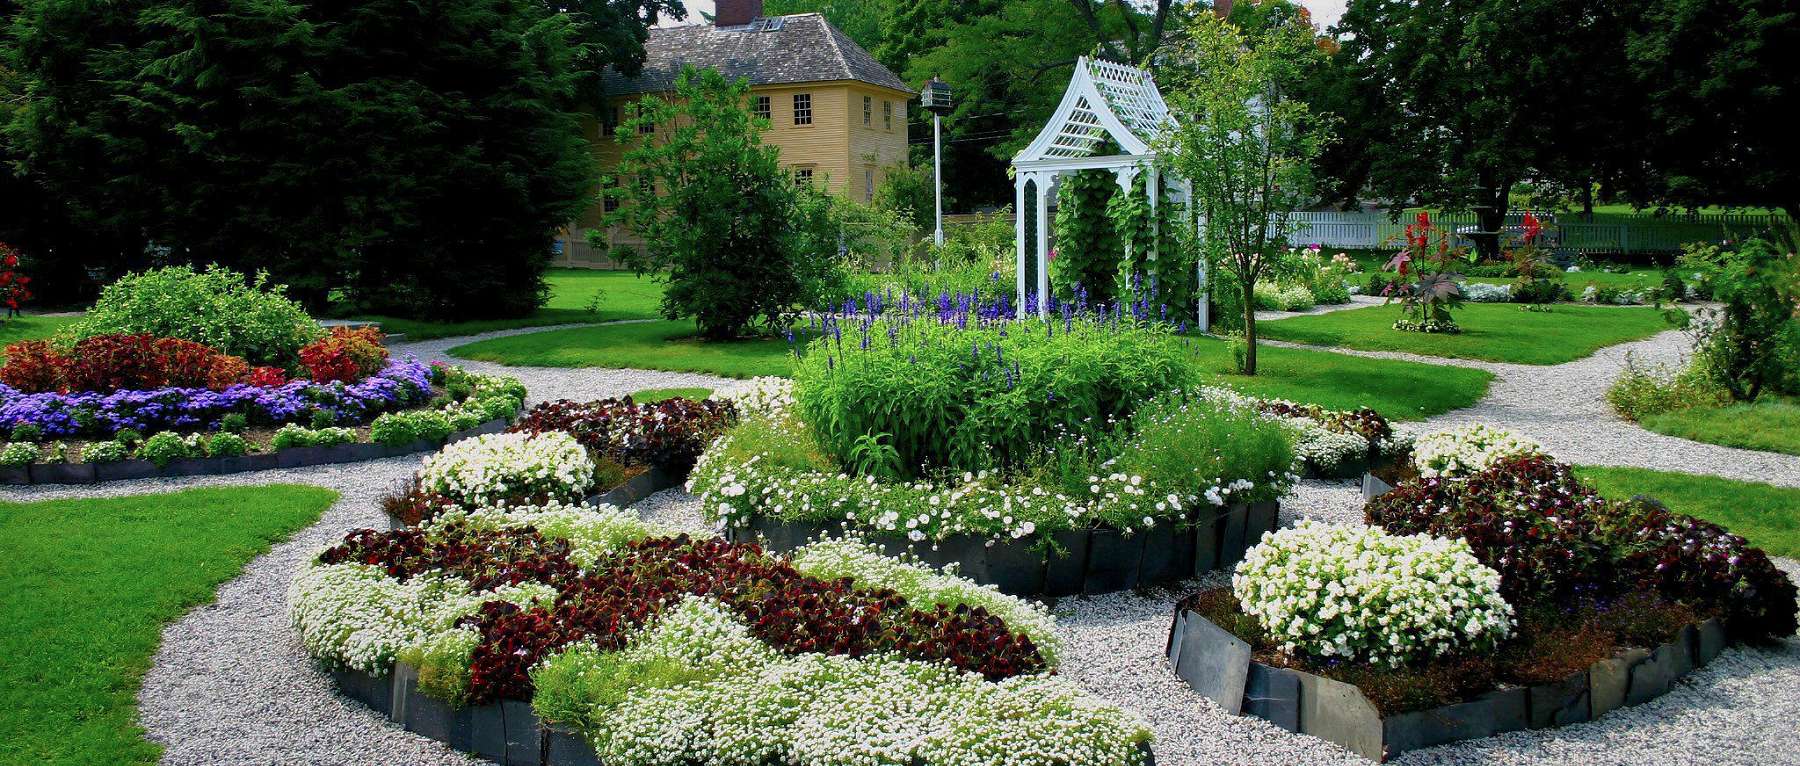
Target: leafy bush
669, 434
28, 432
1551, 536
1747, 341
244, 317
34, 366
1642, 391
499, 467
1200, 447
234, 423
227, 445
346, 355
1539, 290
104, 452
330, 437
292, 435
1359, 593
981, 397
19, 454
1464, 450
1283, 297
165, 448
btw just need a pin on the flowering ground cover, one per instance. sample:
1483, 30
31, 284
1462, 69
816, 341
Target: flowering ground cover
86, 589
621, 295
659, 648
1494, 566
1767, 516
1491, 332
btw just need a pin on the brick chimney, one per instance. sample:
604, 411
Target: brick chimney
736, 13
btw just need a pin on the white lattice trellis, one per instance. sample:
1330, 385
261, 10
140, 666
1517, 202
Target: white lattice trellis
1104, 101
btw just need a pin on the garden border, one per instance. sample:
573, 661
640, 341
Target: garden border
507, 732
291, 457
1097, 560
1219, 666
637, 488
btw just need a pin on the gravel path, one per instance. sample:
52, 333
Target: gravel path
1356, 302
231, 685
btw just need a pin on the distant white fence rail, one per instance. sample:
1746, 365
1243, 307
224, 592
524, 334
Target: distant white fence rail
1607, 233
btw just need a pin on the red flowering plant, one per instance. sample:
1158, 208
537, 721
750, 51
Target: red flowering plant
345, 355
1427, 289
1538, 279
15, 288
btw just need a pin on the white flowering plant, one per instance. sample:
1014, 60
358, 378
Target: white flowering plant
495, 468
1358, 593
1464, 451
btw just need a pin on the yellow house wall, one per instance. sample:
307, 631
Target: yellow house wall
836, 146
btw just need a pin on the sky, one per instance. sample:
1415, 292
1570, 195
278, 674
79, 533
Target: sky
1325, 12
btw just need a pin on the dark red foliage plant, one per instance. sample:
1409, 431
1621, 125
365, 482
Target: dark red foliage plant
628, 588
669, 434
345, 355
34, 367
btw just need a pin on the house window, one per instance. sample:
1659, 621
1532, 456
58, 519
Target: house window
887, 114
609, 201
762, 107
646, 127
803, 176
609, 121
868, 110
802, 108
868, 184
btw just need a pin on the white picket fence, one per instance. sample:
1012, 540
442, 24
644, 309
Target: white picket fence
1636, 233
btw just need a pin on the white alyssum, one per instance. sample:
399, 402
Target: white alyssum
355, 616
487, 469
764, 397
1359, 593
591, 531
1466, 450
1327, 451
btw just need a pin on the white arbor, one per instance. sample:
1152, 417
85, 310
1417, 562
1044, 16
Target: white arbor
1104, 100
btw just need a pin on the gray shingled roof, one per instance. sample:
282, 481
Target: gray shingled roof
805, 49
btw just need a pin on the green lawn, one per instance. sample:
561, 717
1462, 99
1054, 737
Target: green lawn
623, 295
660, 345
1772, 425
1398, 390
1494, 332
1637, 277
1402, 390
654, 395
30, 328
85, 589
1766, 515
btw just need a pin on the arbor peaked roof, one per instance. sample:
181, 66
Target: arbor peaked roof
1104, 100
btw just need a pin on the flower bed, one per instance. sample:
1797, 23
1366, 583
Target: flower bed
559, 634
1332, 444
1183, 481
1493, 593
406, 407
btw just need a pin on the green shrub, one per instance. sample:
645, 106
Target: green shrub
28, 432
234, 423
130, 437
1541, 290
1283, 297
221, 308
464, 420
1194, 445
292, 435
19, 454
394, 429
165, 448
104, 452
323, 418
983, 397
331, 437
1641, 391
227, 444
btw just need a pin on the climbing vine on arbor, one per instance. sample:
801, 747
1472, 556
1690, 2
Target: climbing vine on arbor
1156, 268
1088, 252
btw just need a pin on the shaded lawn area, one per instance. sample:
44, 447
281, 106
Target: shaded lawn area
1493, 332
1766, 515
623, 295
1399, 390
1771, 425
669, 345
30, 328
85, 589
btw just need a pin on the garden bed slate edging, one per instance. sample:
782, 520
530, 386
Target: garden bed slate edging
1218, 665
292, 457
1093, 561
507, 732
